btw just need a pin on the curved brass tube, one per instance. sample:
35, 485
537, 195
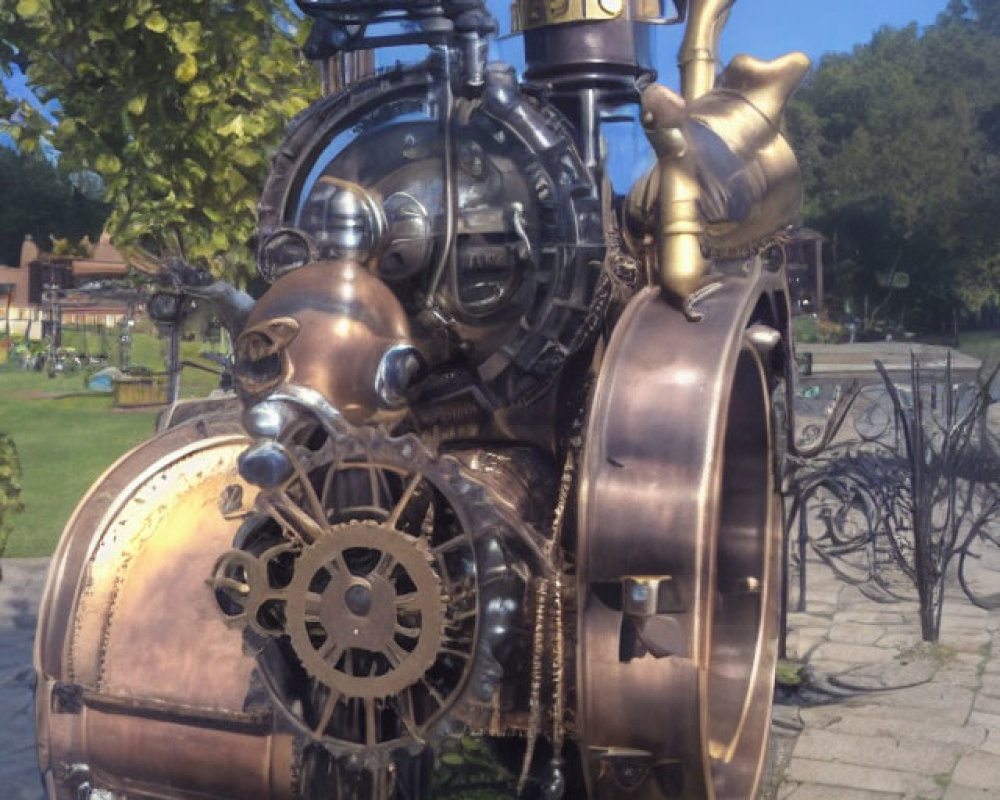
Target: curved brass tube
699, 49
725, 178
680, 227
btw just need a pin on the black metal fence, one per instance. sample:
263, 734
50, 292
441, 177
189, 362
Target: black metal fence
896, 487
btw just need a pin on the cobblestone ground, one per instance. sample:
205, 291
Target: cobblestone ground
886, 716
20, 591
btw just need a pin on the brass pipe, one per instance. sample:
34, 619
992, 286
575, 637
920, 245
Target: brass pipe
680, 259
722, 199
700, 48
680, 228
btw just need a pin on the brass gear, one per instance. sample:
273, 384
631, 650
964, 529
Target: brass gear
241, 586
365, 490
370, 588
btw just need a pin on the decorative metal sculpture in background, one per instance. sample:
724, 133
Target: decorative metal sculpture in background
907, 500
506, 464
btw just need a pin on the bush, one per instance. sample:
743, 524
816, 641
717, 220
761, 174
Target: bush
10, 487
811, 330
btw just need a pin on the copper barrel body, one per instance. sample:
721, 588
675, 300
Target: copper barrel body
140, 689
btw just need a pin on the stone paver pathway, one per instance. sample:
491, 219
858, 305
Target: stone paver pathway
20, 591
891, 717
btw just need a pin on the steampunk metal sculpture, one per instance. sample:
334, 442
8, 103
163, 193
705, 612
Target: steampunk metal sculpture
506, 465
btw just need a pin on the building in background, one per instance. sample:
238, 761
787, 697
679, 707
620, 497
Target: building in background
17, 279
25, 295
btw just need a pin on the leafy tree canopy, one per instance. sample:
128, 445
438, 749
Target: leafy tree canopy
39, 201
176, 104
900, 147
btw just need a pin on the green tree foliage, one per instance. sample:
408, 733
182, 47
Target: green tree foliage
10, 487
900, 147
177, 104
38, 200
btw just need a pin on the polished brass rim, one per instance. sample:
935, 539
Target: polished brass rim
737, 688
678, 558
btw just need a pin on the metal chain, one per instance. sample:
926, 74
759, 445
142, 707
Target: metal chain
535, 703
549, 620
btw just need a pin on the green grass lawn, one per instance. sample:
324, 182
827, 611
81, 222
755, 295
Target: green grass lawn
65, 441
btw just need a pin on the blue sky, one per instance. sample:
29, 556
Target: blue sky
17, 86
768, 28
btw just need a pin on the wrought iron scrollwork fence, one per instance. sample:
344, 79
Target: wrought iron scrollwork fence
903, 499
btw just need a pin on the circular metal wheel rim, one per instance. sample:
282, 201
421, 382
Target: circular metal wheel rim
650, 714
737, 757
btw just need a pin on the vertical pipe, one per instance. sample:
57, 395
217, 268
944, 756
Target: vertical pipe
818, 262
326, 69
358, 66
341, 70
803, 547
57, 319
590, 128
174, 364
699, 49
450, 198
785, 554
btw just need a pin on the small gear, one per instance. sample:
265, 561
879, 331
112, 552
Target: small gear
366, 598
243, 588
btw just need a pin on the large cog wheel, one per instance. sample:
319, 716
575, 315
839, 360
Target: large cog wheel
378, 588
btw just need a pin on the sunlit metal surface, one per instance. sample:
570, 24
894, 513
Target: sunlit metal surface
504, 465
678, 556
726, 178
530, 14
331, 326
128, 669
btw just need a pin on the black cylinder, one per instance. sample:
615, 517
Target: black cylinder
567, 56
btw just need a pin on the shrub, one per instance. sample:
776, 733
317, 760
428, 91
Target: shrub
10, 487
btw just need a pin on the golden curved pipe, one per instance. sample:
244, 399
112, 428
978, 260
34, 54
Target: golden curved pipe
680, 229
699, 50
